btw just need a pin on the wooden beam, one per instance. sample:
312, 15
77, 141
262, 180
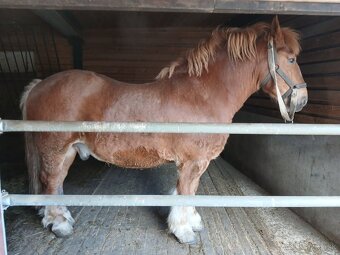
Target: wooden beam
65, 24
123, 5
302, 7
61, 22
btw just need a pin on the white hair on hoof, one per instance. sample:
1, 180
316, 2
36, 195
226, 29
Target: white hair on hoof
183, 221
59, 218
195, 219
179, 225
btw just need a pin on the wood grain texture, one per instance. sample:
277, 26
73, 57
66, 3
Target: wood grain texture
137, 54
308, 7
143, 230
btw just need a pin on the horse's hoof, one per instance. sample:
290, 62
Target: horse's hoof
187, 237
196, 222
63, 229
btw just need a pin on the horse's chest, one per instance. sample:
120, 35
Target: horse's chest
211, 145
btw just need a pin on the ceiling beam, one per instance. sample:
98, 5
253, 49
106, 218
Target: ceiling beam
65, 24
60, 21
300, 7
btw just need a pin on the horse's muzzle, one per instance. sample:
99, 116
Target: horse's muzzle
301, 103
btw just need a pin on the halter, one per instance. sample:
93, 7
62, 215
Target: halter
274, 69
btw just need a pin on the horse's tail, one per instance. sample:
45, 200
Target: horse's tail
25, 95
32, 155
33, 164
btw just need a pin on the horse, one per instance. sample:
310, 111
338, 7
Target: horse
208, 84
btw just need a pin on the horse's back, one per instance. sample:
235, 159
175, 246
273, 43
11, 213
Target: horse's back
64, 95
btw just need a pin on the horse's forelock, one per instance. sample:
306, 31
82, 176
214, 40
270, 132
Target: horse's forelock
291, 40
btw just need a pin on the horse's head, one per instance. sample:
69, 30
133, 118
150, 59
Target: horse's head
281, 77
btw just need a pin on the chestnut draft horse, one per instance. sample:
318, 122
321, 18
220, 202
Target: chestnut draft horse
208, 85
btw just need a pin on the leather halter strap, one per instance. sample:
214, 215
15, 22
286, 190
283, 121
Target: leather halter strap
274, 70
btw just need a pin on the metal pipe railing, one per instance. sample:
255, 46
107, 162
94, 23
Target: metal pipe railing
170, 200
147, 127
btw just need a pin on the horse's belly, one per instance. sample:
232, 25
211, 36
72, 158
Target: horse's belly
136, 158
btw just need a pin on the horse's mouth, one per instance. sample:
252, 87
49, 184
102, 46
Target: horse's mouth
302, 103
295, 108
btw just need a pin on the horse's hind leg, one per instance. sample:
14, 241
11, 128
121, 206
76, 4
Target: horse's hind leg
183, 221
54, 169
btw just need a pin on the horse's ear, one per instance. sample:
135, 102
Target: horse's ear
276, 31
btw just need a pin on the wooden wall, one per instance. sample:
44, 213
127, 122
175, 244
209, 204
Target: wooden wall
134, 47
137, 54
320, 66
23, 31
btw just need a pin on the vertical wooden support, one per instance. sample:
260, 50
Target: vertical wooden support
77, 49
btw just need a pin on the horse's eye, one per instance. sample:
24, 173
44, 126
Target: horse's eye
291, 60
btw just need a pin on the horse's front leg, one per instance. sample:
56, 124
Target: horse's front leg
52, 174
183, 221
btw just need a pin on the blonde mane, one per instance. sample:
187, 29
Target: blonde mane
240, 45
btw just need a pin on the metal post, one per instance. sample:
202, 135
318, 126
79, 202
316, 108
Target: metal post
3, 245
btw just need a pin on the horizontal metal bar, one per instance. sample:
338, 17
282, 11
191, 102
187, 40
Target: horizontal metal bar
146, 127
171, 200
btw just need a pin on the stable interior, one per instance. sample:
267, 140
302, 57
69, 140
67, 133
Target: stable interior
133, 47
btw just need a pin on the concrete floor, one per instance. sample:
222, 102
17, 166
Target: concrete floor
143, 230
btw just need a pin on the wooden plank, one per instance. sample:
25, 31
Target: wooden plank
328, 25
299, 22
307, 7
278, 7
323, 55
330, 82
330, 67
323, 82
44, 64
226, 185
316, 110
299, 118
142, 5
100, 19
218, 219
137, 54
125, 230
62, 23
326, 97
131, 31
321, 42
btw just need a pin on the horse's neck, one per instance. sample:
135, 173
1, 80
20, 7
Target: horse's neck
234, 84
